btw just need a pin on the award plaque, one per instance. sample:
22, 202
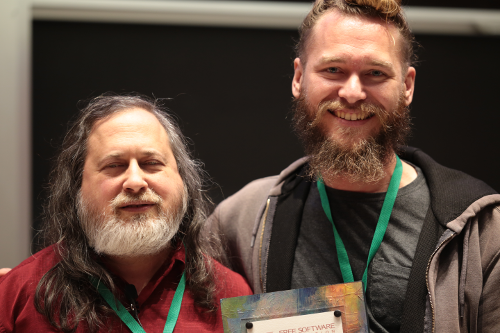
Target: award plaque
338, 308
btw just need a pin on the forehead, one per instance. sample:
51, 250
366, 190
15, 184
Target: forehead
126, 127
354, 35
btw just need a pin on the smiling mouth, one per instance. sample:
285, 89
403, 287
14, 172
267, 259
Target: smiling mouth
352, 116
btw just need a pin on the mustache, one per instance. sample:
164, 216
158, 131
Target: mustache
123, 199
332, 106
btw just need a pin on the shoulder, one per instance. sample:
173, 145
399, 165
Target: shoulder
32, 269
247, 201
229, 283
453, 192
264, 187
485, 214
253, 192
17, 291
236, 215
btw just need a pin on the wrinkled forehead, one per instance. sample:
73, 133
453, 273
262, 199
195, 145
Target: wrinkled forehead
132, 120
128, 126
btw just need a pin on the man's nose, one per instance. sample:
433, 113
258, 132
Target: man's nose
134, 179
352, 90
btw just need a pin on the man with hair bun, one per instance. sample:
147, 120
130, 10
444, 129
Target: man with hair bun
361, 206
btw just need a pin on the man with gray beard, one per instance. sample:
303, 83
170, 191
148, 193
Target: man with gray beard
422, 238
122, 223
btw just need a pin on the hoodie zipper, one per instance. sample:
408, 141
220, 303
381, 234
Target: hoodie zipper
260, 243
427, 276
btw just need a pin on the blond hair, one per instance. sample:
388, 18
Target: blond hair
389, 11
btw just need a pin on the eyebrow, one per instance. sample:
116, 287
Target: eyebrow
326, 60
146, 152
151, 152
380, 63
341, 60
104, 160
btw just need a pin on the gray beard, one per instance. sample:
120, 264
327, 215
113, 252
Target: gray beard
361, 161
142, 235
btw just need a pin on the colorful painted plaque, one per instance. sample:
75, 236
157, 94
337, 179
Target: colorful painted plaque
340, 308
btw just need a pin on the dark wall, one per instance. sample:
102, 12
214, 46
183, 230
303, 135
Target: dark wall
231, 91
455, 108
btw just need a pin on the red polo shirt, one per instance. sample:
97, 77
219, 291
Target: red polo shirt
17, 293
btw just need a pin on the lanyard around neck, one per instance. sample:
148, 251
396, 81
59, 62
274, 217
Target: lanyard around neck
383, 221
126, 317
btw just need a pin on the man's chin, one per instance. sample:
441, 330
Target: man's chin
132, 254
357, 161
126, 217
350, 144
351, 135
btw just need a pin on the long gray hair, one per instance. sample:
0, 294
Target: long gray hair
64, 295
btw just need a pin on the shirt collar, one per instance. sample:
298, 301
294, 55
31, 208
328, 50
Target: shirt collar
174, 264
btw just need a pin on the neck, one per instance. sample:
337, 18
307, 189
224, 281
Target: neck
137, 270
341, 183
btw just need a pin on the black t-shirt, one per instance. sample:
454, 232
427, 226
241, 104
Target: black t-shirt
355, 215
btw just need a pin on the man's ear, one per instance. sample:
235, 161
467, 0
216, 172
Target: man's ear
297, 77
409, 85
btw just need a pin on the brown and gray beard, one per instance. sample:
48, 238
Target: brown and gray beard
355, 160
143, 234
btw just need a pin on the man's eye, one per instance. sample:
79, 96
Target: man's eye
152, 163
333, 70
377, 73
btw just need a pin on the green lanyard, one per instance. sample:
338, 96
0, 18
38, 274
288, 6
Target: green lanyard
126, 317
383, 221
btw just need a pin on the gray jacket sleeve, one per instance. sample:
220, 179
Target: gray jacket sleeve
234, 221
